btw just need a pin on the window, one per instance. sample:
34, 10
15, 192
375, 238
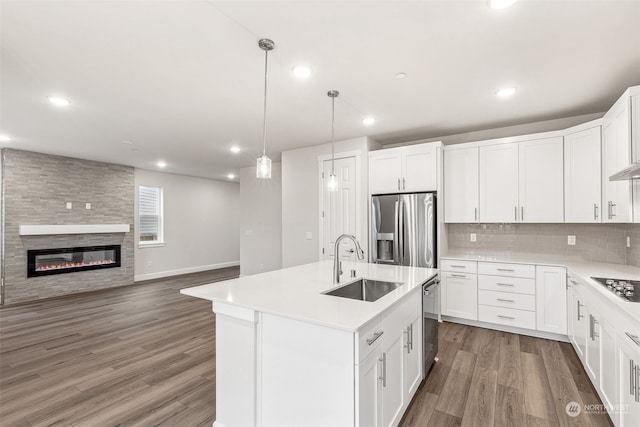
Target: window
150, 215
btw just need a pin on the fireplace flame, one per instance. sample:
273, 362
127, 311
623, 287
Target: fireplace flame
70, 264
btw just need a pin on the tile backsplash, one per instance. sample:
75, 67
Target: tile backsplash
594, 242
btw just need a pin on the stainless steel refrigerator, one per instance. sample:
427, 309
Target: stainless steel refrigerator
403, 229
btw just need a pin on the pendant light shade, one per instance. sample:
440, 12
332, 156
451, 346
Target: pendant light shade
332, 182
263, 164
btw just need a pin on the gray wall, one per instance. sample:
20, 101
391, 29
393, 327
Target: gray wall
36, 188
260, 221
594, 242
201, 226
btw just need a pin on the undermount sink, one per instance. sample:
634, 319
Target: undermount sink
364, 289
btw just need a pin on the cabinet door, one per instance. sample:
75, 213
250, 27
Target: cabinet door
385, 171
392, 399
460, 295
499, 183
628, 381
592, 364
608, 374
582, 176
551, 299
540, 176
419, 168
616, 155
412, 359
461, 185
369, 389
578, 324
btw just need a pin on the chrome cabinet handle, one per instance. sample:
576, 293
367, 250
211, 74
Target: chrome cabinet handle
595, 211
522, 213
637, 396
504, 300
580, 316
633, 338
404, 184
458, 275
375, 337
398, 183
504, 284
506, 317
595, 328
591, 333
613, 209
411, 329
408, 344
458, 266
632, 371
505, 269
383, 359
475, 214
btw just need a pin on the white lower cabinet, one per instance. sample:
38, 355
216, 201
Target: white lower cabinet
459, 297
390, 367
593, 345
629, 381
551, 299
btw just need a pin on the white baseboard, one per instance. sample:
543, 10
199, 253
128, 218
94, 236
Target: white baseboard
169, 273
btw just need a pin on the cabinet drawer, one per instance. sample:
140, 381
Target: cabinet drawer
368, 338
507, 284
507, 300
458, 266
507, 316
509, 270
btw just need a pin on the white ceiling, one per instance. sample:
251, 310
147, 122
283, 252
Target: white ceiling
182, 80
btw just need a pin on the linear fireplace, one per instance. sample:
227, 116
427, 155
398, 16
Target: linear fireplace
42, 262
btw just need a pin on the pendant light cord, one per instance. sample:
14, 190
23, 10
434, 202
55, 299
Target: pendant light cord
264, 123
333, 119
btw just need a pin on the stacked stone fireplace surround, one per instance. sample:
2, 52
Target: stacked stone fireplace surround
36, 188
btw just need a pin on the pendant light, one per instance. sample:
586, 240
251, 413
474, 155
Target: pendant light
332, 183
263, 164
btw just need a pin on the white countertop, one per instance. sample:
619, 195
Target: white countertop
584, 269
297, 292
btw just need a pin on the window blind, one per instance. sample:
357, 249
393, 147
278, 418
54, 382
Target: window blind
150, 212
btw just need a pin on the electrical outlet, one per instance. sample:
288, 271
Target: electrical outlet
628, 241
69, 205
87, 205
571, 240
472, 237
309, 235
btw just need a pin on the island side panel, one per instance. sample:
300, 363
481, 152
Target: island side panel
235, 366
305, 374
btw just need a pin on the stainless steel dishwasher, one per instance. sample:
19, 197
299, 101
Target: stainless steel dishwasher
430, 314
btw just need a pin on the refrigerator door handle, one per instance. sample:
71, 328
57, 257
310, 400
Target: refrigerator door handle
396, 230
401, 232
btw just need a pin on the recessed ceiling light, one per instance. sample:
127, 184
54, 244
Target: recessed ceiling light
506, 92
369, 121
5, 138
161, 164
301, 71
231, 176
401, 75
234, 149
500, 4
59, 102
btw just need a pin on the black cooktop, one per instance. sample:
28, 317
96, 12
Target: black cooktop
628, 290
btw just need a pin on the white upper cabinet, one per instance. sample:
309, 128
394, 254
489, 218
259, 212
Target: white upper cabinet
404, 169
499, 183
461, 185
616, 155
540, 180
419, 168
582, 176
385, 169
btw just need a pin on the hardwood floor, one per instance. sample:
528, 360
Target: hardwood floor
492, 378
145, 355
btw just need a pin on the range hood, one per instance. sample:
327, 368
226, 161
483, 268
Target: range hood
630, 172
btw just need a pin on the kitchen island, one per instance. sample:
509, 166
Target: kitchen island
289, 355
